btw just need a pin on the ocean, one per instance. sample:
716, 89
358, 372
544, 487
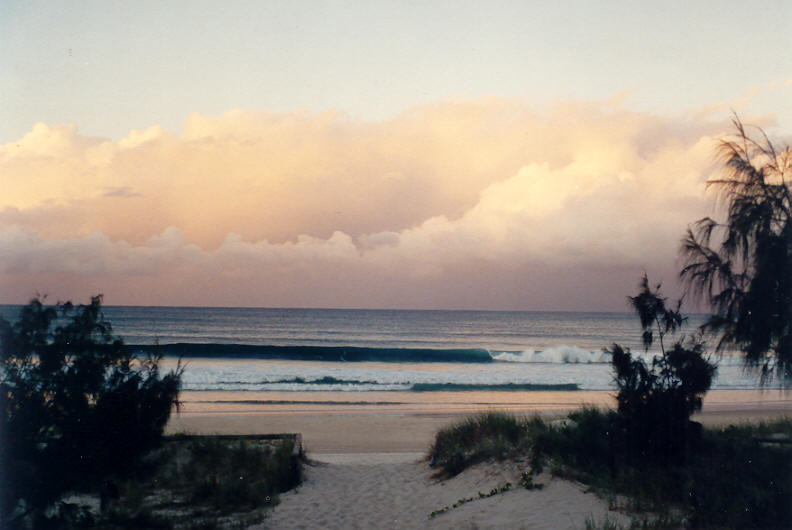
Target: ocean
295, 360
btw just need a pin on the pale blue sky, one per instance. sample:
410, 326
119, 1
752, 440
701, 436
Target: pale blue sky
109, 67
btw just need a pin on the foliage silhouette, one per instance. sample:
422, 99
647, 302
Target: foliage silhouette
733, 481
77, 407
742, 267
655, 401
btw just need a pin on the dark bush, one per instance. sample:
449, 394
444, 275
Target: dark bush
655, 401
585, 443
76, 406
734, 481
740, 483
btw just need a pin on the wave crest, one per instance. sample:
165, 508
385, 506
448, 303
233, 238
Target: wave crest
562, 354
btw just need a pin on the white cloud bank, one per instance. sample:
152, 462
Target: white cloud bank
487, 204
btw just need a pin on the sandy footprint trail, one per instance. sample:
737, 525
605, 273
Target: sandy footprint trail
395, 490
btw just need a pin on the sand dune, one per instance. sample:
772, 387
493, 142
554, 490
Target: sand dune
369, 473
396, 490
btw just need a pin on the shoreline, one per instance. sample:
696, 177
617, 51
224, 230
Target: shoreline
410, 428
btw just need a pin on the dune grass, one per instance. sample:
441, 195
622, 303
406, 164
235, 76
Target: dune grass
205, 483
485, 436
737, 477
236, 476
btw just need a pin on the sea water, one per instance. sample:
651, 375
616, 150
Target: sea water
261, 349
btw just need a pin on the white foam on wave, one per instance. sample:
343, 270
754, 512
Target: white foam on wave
562, 354
560, 364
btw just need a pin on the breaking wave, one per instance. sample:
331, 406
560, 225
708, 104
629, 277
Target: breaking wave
557, 354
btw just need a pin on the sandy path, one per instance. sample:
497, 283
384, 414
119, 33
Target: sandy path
396, 491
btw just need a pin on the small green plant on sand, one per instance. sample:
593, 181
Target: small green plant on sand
481, 495
527, 481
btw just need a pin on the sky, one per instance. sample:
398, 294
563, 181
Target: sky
450, 155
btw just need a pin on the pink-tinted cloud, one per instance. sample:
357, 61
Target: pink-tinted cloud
468, 204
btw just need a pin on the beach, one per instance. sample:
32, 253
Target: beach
368, 390
373, 427
398, 491
244, 244
367, 469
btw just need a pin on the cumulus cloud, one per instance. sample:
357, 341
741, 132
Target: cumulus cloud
435, 204
24, 251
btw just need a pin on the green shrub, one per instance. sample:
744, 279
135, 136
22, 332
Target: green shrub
76, 407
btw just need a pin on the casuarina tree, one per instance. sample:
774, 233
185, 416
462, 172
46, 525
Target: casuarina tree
77, 407
742, 266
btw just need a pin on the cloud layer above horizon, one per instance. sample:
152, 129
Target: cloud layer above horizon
468, 204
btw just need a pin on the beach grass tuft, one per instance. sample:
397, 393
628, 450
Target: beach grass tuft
489, 435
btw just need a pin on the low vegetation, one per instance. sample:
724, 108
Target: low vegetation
734, 481
486, 436
202, 482
648, 451
741, 477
